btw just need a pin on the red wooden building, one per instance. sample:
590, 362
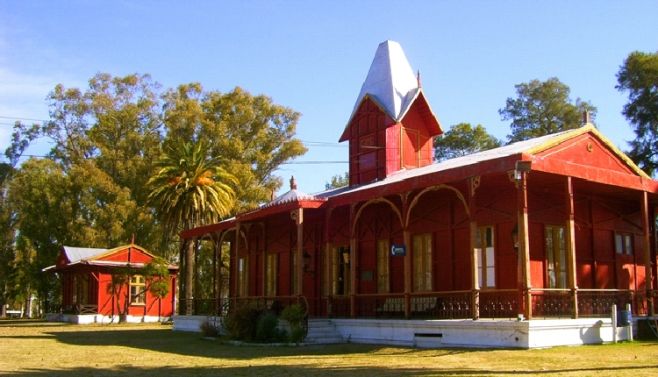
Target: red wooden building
91, 295
557, 227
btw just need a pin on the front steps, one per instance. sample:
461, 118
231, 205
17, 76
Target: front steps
322, 331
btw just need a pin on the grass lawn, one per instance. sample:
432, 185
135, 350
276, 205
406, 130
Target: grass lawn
50, 349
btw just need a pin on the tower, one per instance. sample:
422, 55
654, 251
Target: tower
392, 125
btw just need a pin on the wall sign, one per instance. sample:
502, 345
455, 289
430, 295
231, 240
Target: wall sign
398, 250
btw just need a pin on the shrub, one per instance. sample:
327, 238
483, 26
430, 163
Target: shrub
295, 315
240, 323
267, 328
209, 329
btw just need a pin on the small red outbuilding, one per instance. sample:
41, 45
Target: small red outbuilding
109, 285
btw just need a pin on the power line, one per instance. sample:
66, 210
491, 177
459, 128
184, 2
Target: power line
21, 118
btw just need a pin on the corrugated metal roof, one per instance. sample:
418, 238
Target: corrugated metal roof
74, 254
501, 152
291, 196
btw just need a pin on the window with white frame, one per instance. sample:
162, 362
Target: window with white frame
624, 243
137, 290
556, 256
243, 276
486, 258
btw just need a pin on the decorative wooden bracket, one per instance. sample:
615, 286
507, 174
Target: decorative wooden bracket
474, 183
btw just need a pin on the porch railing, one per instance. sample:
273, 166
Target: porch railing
500, 303
497, 303
80, 309
554, 303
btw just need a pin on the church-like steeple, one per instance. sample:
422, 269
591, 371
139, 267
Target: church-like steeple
392, 125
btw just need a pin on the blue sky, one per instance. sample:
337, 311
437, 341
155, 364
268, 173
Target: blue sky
314, 55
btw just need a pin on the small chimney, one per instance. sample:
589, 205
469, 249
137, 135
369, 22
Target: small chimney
586, 119
293, 183
418, 78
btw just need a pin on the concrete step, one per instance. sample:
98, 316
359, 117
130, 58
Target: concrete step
322, 331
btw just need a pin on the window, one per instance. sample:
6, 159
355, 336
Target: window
486, 261
624, 243
556, 265
293, 272
383, 285
243, 275
339, 270
271, 272
422, 262
137, 290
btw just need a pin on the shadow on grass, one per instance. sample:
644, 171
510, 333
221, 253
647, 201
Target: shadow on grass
193, 344
296, 370
166, 341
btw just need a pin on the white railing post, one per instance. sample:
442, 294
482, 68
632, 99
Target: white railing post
613, 315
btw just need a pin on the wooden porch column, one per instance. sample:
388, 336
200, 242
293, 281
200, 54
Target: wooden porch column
215, 269
524, 244
190, 279
646, 245
263, 264
407, 272
181, 279
327, 273
571, 247
407, 261
353, 264
299, 266
236, 262
474, 182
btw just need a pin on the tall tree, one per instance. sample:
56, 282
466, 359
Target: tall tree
251, 135
542, 108
463, 139
190, 189
43, 216
106, 136
7, 235
639, 76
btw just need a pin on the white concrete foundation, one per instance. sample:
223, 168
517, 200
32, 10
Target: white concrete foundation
193, 323
83, 319
483, 333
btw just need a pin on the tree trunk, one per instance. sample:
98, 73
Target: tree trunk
189, 278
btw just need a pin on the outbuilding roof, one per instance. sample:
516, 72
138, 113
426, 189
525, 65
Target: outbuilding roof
95, 257
75, 254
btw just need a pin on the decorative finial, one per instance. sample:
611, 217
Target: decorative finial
293, 183
586, 119
418, 78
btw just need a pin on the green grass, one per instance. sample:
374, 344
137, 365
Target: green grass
49, 349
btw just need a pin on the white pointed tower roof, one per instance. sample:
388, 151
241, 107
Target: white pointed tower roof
391, 84
390, 81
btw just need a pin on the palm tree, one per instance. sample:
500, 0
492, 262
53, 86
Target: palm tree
190, 189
